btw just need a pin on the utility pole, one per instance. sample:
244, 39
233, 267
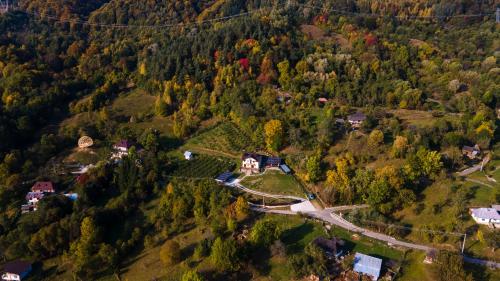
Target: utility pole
463, 243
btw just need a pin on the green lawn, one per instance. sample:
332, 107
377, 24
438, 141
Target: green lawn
140, 105
275, 182
414, 269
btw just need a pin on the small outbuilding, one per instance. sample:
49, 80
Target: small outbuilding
368, 265
472, 152
224, 177
16, 270
188, 155
285, 169
430, 256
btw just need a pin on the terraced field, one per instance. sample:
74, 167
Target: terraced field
224, 139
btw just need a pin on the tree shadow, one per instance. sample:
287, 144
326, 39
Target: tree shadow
292, 236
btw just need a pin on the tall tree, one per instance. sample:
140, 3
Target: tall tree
274, 134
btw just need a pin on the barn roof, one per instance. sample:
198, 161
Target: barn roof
367, 265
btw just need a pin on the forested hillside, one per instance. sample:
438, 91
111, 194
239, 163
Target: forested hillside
223, 77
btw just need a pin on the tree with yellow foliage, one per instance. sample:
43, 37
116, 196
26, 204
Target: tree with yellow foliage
274, 133
375, 139
400, 146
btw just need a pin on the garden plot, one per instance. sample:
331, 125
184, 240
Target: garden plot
224, 139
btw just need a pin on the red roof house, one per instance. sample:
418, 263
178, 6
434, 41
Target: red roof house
43, 186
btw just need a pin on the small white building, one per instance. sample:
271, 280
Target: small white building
16, 270
121, 149
188, 155
486, 216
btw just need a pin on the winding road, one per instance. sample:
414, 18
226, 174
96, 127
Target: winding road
328, 215
236, 184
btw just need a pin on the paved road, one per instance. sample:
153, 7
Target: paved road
327, 216
346, 207
475, 168
236, 184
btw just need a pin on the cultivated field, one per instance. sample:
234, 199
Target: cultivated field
224, 139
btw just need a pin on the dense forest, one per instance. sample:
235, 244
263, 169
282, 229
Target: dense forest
264, 70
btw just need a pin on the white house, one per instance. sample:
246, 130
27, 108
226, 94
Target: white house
251, 163
121, 149
188, 155
34, 197
487, 216
16, 270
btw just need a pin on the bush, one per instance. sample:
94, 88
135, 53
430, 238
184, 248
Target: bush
170, 253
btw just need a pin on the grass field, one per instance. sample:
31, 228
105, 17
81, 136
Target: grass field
203, 166
139, 105
224, 139
438, 194
274, 182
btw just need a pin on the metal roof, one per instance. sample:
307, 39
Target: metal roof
273, 161
285, 168
486, 213
367, 265
224, 176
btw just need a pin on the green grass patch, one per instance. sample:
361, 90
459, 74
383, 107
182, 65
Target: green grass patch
274, 182
203, 166
224, 139
413, 267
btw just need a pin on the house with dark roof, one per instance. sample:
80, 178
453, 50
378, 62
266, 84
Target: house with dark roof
356, 119
367, 265
34, 197
121, 149
43, 186
122, 145
16, 270
253, 163
472, 152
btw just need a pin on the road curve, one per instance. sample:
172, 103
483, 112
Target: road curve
327, 216
236, 184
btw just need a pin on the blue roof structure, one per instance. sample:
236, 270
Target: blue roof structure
273, 161
367, 265
285, 168
224, 177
